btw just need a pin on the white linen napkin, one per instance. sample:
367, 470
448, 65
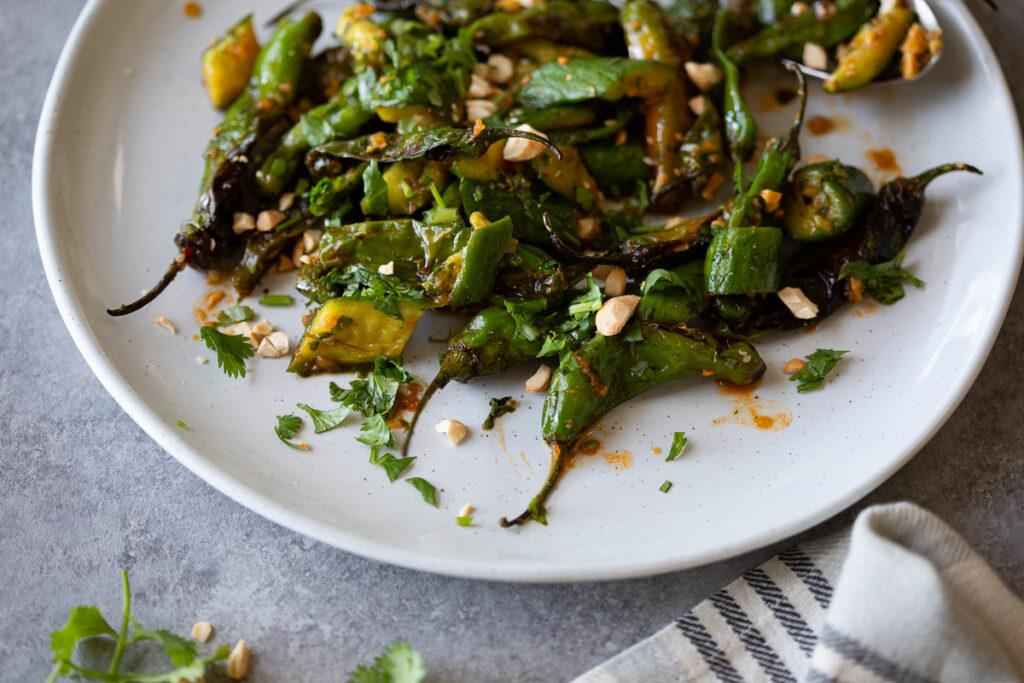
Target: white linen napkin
901, 597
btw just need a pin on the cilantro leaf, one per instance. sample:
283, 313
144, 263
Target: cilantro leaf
425, 488
287, 427
819, 364
499, 407
238, 313
524, 315
883, 280
181, 651
325, 420
393, 466
588, 301
375, 432
375, 191
678, 444
399, 664
362, 283
376, 393
231, 349
83, 622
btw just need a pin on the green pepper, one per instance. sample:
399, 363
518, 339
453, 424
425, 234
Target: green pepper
740, 125
790, 33
647, 36
253, 121
227, 64
332, 193
872, 48
568, 176
606, 371
262, 250
348, 332
590, 24
702, 150
744, 260
478, 263
616, 168
674, 296
433, 144
526, 203
529, 273
666, 114
692, 21
825, 200
320, 125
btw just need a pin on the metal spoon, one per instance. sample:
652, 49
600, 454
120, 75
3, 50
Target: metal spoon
925, 17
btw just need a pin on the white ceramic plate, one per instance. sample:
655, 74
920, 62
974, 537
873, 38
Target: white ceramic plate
116, 167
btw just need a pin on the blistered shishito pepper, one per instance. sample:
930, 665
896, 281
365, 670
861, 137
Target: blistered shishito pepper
740, 125
790, 33
262, 250
227, 64
432, 144
825, 200
529, 273
674, 296
207, 240
590, 24
880, 236
666, 114
702, 151
606, 371
872, 48
321, 124
647, 35
692, 20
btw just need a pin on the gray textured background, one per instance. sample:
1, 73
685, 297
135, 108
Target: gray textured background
83, 491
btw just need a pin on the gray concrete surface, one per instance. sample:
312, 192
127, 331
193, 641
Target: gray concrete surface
83, 491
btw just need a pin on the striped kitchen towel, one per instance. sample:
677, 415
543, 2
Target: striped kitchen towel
901, 597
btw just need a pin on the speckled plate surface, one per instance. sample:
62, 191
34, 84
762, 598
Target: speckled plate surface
116, 167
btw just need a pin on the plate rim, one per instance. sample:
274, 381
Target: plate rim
134, 405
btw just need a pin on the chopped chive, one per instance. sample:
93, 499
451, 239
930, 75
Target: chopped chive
665, 487
463, 521
276, 300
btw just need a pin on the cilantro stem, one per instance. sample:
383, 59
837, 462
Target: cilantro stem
122, 637
53, 674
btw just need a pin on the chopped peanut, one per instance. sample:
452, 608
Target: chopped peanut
540, 381
243, 222
285, 201
268, 220
479, 88
798, 303
273, 345
521, 149
502, 68
587, 228
771, 200
478, 220
284, 264
311, 240
479, 109
615, 283
696, 104
714, 182
798, 8
793, 365
455, 430
466, 510
615, 313
238, 661
202, 631
855, 290
387, 269
704, 76
815, 57
166, 324
263, 328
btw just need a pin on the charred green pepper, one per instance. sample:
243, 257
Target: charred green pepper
825, 200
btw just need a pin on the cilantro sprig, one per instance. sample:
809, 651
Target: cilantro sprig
883, 280
678, 445
86, 622
239, 313
287, 427
819, 364
386, 291
231, 350
399, 664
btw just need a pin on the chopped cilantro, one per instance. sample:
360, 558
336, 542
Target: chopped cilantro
377, 391
88, 622
665, 487
425, 488
393, 466
464, 521
883, 280
588, 301
819, 364
182, 424
399, 664
499, 407
231, 349
276, 300
325, 420
524, 315
385, 290
235, 314
678, 445
375, 432
375, 191
287, 427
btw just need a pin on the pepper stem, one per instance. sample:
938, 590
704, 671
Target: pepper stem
535, 510
923, 179
608, 258
176, 266
439, 381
